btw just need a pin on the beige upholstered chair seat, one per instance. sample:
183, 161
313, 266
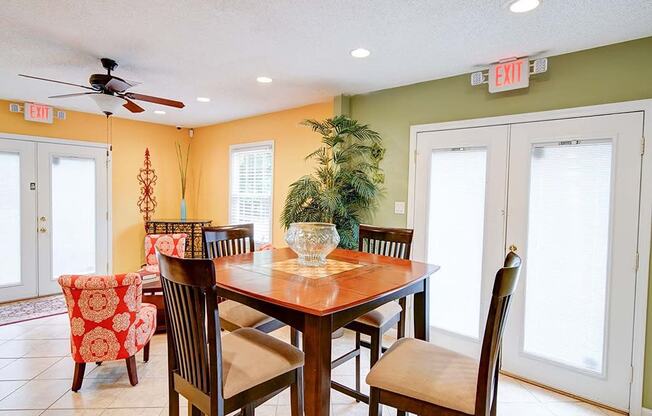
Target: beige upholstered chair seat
426, 372
250, 357
235, 315
381, 315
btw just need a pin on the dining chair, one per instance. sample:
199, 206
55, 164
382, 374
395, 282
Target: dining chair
231, 240
219, 374
422, 378
108, 321
393, 242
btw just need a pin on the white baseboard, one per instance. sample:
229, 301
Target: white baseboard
646, 412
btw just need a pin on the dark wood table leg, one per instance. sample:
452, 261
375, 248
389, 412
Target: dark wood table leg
317, 368
422, 312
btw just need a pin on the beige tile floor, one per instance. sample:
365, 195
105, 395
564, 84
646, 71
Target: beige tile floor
36, 371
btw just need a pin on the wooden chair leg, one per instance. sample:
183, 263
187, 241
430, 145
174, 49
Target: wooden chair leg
358, 374
375, 408
295, 338
131, 370
248, 410
376, 347
78, 377
173, 401
193, 411
98, 362
400, 329
296, 394
146, 352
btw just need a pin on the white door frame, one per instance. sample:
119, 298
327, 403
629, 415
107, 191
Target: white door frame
109, 176
645, 210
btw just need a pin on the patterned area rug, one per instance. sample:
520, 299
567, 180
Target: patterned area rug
25, 310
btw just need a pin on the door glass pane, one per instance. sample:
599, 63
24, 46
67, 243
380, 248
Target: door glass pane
455, 235
10, 219
567, 253
73, 216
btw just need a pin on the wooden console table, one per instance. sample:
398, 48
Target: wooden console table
194, 245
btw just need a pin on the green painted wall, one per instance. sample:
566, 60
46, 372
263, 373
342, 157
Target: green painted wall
620, 72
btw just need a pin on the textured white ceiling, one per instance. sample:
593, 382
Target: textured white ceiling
182, 49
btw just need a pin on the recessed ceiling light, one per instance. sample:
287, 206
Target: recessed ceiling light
203, 99
161, 112
264, 80
360, 53
522, 6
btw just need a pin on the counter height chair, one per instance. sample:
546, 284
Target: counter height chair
393, 242
219, 374
231, 240
422, 378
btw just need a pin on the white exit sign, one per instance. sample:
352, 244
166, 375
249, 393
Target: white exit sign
38, 112
509, 75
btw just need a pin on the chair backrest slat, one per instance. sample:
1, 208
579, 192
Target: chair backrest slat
504, 287
228, 240
393, 242
194, 346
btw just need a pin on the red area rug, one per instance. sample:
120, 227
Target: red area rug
26, 310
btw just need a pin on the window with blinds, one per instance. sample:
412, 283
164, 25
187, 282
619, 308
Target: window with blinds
251, 188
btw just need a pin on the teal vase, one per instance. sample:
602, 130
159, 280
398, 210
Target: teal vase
183, 209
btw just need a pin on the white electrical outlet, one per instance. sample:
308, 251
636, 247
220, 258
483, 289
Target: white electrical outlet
399, 207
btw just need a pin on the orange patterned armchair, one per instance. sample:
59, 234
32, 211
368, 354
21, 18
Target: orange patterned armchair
108, 321
168, 244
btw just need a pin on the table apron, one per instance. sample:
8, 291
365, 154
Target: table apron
296, 318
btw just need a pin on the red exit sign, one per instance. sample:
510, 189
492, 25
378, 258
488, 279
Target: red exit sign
38, 112
509, 75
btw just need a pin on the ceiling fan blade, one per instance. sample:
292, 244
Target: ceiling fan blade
132, 106
77, 94
57, 82
156, 100
119, 85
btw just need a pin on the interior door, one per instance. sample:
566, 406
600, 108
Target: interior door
460, 225
72, 212
573, 215
17, 220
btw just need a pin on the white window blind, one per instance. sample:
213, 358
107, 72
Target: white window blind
251, 188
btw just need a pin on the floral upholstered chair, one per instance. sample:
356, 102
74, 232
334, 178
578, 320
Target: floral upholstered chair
168, 244
108, 321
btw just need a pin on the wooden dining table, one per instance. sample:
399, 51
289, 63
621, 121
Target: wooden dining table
319, 300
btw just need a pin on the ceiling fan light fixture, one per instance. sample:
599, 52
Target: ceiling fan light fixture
523, 6
203, 99
264, 80
107, 103
160, 112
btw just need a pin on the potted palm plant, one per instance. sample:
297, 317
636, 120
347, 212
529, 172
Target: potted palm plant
346, 183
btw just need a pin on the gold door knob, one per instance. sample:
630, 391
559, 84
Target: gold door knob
43, 219
42, 230
513, 248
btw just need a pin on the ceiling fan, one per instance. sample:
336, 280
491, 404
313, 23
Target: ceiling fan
109, 91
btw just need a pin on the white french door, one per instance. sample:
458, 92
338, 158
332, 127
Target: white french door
573, 208
18, 269
58, 195
565, 195
459, 225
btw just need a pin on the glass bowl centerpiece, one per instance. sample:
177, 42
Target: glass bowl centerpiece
312, 241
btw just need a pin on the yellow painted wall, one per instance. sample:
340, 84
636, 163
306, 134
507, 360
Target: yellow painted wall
210, 159
130, 138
